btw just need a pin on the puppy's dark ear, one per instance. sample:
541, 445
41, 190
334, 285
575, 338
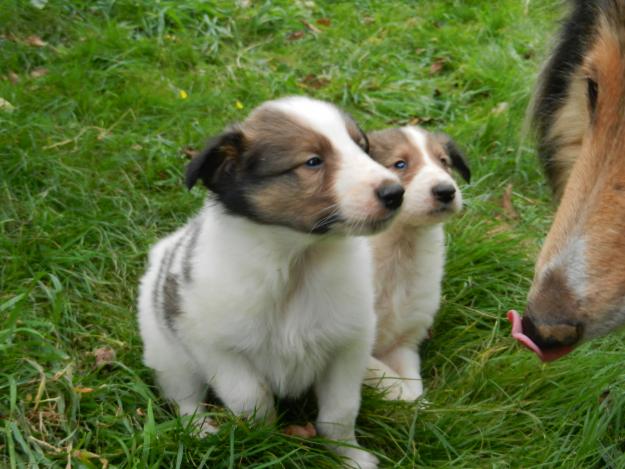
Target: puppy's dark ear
217, 160
365, 144
355, 132
458, 161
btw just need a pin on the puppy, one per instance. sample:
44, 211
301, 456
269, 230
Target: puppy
409, 257
267, 291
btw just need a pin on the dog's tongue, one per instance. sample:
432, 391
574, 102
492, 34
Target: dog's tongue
517, 333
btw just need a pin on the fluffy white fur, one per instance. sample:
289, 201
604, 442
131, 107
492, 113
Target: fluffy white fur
409, 267
266, 310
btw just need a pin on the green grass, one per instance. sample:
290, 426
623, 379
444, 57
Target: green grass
90, 175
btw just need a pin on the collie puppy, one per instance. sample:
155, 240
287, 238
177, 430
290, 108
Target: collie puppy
267, 291
578, 291
409, 257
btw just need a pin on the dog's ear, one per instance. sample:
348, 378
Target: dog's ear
458, 160
356, 132
217, 160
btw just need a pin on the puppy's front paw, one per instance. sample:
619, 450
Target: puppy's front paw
393, 389
356, 458
399, 389
412, 390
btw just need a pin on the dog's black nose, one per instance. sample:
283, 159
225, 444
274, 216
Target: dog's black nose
553, 334
391, 195
444, 192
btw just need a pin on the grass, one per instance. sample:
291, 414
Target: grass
90, 175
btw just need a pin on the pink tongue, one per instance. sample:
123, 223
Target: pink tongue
517, 333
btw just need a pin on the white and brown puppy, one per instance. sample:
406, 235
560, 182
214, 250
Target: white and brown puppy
267, 291
409, 257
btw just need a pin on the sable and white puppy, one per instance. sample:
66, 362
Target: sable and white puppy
267, 292
409, 257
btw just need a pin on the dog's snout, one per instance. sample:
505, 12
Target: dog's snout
391, 195
444, 192
552, 335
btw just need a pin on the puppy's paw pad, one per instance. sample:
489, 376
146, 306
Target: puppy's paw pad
306, 431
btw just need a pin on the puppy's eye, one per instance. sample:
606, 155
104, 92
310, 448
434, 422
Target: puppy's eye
593, 93
445, 162
401, 164
314, 162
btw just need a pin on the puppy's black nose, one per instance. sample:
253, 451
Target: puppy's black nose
444, 192
391, 195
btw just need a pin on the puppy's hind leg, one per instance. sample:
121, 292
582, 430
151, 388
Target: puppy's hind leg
188, 390
180, 381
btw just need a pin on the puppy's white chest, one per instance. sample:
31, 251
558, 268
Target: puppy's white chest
289, 344
287, 322
292, 355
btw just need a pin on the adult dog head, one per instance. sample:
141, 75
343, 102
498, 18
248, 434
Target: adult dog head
578, 292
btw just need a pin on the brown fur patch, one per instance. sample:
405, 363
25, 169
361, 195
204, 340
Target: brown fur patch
567, 132
278, 142
436, 149
392, 145
290, 192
